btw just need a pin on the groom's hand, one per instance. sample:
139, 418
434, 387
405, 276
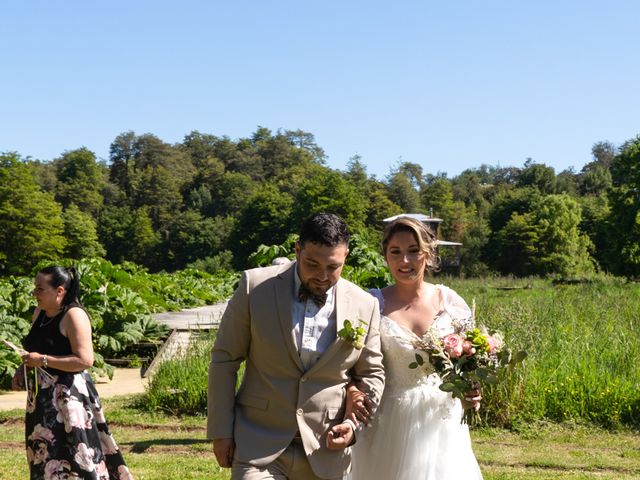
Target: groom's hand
223, 449
340, 436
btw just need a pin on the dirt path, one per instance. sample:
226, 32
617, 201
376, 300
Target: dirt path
125, 381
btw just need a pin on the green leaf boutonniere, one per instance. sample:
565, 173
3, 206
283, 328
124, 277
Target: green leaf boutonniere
353, 334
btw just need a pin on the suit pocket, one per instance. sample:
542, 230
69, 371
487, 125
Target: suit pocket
254, 401
332, 412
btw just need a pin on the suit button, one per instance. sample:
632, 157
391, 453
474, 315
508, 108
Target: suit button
303, 379
299, 411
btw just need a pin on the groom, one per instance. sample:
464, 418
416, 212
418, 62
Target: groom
286, 419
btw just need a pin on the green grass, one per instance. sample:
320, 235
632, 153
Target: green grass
165, 447
580, 339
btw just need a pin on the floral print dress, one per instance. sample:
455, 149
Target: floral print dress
65, 430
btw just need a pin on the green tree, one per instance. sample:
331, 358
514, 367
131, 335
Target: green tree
474, 242
508, 202
80, 232
402, 192
539, 176
113, 229
129, 235
514, 246
232, 193
595, 216
266, 219
329, 191
595, 179
144, 240
567, 182
470, 187
623, 254
563, 248
192, 236
31, 227
379, 205
544, 240
80, 180
604, 153
153, 174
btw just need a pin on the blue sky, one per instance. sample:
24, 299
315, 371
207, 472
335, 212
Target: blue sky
449, 85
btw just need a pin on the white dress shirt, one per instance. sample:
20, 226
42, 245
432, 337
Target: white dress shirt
314, 328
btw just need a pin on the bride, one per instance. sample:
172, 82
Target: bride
416, 433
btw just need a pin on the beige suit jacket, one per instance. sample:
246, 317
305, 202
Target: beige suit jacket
277, 397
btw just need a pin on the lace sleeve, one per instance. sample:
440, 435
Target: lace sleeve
457, 308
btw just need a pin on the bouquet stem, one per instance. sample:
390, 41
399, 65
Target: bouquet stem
470, 417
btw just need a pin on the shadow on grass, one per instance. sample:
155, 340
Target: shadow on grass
143, 446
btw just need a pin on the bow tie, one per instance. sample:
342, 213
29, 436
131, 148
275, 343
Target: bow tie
305, 294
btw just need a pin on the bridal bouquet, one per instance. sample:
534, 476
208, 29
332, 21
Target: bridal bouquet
465, 359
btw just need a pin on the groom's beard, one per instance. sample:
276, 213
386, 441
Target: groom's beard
317, 289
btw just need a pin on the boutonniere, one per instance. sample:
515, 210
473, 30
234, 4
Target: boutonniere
353, 334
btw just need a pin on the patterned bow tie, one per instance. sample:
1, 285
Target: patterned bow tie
305, 294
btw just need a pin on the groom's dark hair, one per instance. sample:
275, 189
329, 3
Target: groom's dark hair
326, 229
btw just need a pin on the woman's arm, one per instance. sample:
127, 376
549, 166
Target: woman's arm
358, 408
77, 328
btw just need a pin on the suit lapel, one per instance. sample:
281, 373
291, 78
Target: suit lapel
284, 301
343, 301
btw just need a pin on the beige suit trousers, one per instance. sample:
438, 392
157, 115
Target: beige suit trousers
292, 464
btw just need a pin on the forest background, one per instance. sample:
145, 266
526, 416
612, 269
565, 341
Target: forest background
209, 201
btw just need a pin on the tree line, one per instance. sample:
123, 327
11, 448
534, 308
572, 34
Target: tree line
209, 201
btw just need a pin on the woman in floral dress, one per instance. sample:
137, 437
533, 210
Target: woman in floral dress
66, 434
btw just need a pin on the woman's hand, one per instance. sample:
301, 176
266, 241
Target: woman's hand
472, 399
358, 407
17, 382
33, 359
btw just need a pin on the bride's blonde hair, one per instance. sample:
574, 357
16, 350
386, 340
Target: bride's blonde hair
424, 236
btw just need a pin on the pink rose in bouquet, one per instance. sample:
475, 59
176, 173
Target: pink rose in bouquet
493, 343
465, 360
453, 345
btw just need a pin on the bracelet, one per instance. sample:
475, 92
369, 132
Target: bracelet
44, 361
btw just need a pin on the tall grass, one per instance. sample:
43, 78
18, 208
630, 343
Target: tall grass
582, 340
180, 385
583, 350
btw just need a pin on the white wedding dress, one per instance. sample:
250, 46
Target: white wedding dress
416, 433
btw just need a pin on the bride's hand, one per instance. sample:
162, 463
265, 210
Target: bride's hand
472, 399
358, 407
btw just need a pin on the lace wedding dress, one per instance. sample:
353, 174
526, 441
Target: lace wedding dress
416, 433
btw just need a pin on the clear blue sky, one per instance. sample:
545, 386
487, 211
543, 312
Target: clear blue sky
445, 84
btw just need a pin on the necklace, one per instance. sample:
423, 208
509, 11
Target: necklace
47, 320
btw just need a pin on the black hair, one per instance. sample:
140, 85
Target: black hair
67, 278
326, 229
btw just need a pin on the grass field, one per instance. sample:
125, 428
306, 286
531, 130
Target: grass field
572, 410
159, 447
